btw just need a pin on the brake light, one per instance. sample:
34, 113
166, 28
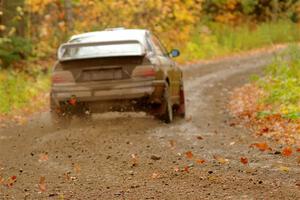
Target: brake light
144, 71
62, 77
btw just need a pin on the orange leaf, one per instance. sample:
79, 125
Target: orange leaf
187, 169
77, 168
287, 151
11, 180
220, 159
43, 157
189, 154
42, 184
200, 161
67, 176
155, 175
261, 146
244, 160
265, 130
176, 169
298, 150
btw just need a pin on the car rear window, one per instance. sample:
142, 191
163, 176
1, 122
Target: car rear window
100, 50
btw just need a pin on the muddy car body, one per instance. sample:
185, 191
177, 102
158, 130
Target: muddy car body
117, 70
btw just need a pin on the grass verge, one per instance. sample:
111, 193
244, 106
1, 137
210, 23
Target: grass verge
282, 85
22, 91
271, 104
215, 40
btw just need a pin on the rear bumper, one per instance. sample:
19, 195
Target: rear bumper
105, 91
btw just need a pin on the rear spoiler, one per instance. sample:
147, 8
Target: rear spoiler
66, 46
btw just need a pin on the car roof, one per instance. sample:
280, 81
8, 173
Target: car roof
118, 34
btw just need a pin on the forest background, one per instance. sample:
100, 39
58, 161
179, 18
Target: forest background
31, 31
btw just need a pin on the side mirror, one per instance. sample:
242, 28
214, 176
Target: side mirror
175, 53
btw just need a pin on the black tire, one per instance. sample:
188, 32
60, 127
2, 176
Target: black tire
167, 107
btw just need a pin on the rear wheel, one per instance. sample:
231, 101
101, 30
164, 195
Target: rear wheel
167, 107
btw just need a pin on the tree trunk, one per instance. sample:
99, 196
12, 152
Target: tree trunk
69, 15
1, 16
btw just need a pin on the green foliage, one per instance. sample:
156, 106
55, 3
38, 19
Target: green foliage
18, 89
219, 39
282, 83
249, 6
13, 49
173, 20
238, 11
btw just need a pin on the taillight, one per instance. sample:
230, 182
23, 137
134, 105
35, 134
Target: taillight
62, 77
144, 71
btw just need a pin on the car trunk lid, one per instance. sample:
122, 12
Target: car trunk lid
103, 69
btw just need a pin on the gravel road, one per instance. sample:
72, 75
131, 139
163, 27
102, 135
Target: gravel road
134, 156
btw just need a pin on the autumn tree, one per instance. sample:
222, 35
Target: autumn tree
51, 21
12, 17
237, 11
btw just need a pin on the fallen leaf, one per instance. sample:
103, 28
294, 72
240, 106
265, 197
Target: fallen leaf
11, 180
298, 150
287, 151
264, 130
199, 138
189, 154
133, 156
284, 168
200, 161
155, 175
1, 180
250, 171
134, 160
261, 146
172, 143
212, 178
176, 169
186, 169
155, 157
244, 160
232, 124
77, 168
43, 157
220, 159
232, 143
67, 176
42, 184
61, 197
